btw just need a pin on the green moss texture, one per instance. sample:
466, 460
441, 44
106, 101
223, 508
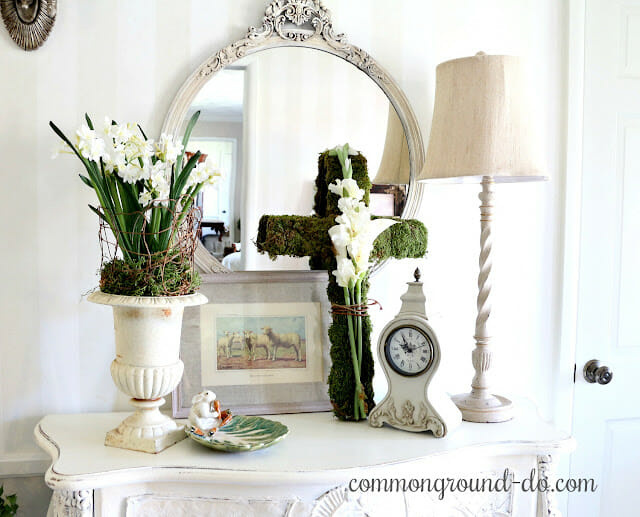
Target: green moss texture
173, 278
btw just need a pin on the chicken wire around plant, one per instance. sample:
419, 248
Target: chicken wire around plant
183, 236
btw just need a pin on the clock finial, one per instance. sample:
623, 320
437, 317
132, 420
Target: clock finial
416, 274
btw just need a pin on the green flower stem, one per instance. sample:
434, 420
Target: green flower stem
156, 216
117, 221
189, 201
358, 402
358, 297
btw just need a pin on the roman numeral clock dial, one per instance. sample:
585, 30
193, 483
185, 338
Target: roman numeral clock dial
409, 353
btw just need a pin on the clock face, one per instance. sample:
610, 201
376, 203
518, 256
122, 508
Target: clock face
409, 350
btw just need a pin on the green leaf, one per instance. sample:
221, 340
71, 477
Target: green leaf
58, 132
89, 123
183, 176
142, 131
100, 214
186, 137
86, 180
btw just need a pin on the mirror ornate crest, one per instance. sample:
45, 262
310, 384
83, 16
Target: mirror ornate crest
269, 104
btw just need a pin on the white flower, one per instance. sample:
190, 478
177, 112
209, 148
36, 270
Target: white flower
355, 234
346, 273
361, 247
61, 149
162, 194
347, 205
108, 124
214, 175
360, 250
119, 159
108, 162
84, 134
145, 197
131, 173
122, 133
168, 151
158, 174
205, 172
356, 217
147, 149
90, 145
378, 226
340, 237
347, 188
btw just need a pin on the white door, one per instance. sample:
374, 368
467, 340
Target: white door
606, 419
217, 200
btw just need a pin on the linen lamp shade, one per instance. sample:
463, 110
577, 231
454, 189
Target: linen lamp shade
394, 167
482, 122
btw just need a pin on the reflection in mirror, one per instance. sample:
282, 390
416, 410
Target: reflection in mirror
263, 122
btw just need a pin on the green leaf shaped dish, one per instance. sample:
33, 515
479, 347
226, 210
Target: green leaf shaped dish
243, 433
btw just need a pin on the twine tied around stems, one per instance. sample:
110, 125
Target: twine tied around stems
354, 310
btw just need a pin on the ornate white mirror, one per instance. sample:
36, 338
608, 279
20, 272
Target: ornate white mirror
270, 103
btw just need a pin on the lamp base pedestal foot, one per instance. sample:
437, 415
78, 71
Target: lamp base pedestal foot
491, 409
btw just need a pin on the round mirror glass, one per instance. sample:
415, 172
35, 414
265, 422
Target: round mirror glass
264, 122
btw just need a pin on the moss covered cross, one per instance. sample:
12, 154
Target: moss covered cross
308, 236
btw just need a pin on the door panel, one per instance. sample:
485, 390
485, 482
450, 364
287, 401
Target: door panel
606, 419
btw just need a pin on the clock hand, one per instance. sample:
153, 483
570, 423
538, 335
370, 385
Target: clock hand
404, 344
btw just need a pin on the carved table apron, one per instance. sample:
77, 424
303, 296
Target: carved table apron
309, 473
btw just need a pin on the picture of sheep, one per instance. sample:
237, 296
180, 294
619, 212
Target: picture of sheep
288, 340
260, 342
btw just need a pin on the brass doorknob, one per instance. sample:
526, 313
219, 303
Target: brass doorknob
595, 372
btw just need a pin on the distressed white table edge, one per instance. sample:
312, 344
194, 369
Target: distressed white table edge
319, 451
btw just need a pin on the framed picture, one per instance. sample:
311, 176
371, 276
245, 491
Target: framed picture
387, 200
260, 343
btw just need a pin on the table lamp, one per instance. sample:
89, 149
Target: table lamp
482, 132
394, 165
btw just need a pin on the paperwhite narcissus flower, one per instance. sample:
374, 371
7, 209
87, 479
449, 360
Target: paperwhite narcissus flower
162, 194
347, 188
122, 133
167, 149
204, 172
63, 148
90, 146
158, 173
145, 198
131, 173
345, 274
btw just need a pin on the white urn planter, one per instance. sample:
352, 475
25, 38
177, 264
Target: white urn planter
147, 365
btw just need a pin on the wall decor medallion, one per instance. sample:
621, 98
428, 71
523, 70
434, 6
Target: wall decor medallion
29, 22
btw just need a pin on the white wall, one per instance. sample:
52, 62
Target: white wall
127, 59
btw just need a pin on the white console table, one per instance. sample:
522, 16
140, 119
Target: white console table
306, 474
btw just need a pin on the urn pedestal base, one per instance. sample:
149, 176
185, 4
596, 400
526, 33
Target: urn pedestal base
147, 430
147, 366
